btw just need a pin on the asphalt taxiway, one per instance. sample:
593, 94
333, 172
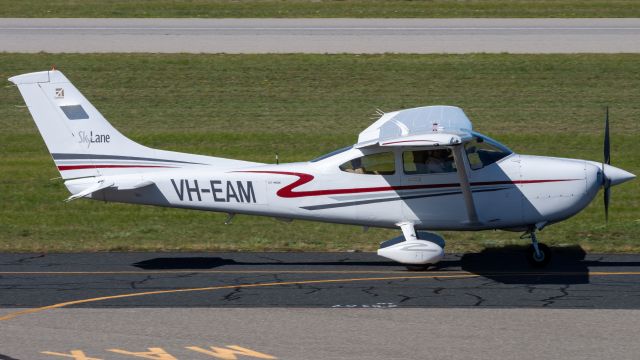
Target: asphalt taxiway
321, 35
494, 278
117, 305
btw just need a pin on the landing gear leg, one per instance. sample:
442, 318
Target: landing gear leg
538, 254
409, 233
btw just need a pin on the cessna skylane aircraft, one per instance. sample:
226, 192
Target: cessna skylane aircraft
415, 169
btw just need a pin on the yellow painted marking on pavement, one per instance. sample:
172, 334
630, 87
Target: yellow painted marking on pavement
211, 288
195, 271
74, 354
154, 353
230, 352
606, 273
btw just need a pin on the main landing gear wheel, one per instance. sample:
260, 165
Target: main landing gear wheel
424, 267
540, 258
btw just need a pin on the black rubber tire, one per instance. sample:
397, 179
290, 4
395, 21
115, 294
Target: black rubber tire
424, 267
539, 263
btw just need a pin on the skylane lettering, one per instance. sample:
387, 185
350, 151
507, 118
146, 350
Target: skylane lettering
91, 138
218, 190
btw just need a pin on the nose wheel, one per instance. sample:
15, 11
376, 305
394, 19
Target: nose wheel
538, 255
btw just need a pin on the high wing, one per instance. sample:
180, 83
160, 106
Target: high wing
422, 126
427, 126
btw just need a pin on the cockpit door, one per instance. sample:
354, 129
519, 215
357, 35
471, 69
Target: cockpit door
432, 197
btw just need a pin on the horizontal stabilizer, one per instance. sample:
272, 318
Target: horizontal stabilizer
121, 185
133, 185
100, 185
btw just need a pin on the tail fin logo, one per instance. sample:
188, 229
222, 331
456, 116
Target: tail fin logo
91, 138
59, 93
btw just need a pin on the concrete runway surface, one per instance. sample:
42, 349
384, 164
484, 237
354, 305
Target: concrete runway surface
321, 35
488, 305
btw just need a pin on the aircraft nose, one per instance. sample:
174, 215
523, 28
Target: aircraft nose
616, 175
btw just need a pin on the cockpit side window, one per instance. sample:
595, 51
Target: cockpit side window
372, 164
482, 152
428, 161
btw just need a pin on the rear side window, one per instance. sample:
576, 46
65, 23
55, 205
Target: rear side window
74, 112
373, 164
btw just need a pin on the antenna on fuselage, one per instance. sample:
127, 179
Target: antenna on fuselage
377, 115
277, 159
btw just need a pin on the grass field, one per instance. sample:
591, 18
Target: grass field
252, 106
320, 8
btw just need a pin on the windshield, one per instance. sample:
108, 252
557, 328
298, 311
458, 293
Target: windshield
493, 142
334, 152
483, 151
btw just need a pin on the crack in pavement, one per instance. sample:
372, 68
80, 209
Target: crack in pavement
313, 289
133, 284
552, 299
235, 294
369, 291
24, 260
264, 257
479, 299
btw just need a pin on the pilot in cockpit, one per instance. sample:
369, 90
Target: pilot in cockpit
433, 161
356, 166
439, 161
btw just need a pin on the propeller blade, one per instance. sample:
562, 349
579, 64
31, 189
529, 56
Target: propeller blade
607, 197
606, 183
607, 143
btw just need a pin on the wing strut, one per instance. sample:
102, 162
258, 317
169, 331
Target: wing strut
458, 153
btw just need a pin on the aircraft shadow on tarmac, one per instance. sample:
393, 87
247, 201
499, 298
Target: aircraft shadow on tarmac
508, 265
505, 265
6, 357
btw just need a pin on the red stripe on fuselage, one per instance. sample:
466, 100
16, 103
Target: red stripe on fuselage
80, 167
287, 191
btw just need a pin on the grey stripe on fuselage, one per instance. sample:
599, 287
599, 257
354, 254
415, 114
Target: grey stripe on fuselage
58, 156
391, 192
403, 197
116, 162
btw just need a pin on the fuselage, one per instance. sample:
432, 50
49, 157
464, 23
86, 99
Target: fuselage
422, 168
513, 192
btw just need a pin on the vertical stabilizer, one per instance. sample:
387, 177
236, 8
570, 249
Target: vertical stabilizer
83, 143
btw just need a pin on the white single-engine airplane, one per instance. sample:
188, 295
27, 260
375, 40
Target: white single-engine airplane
415, 169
